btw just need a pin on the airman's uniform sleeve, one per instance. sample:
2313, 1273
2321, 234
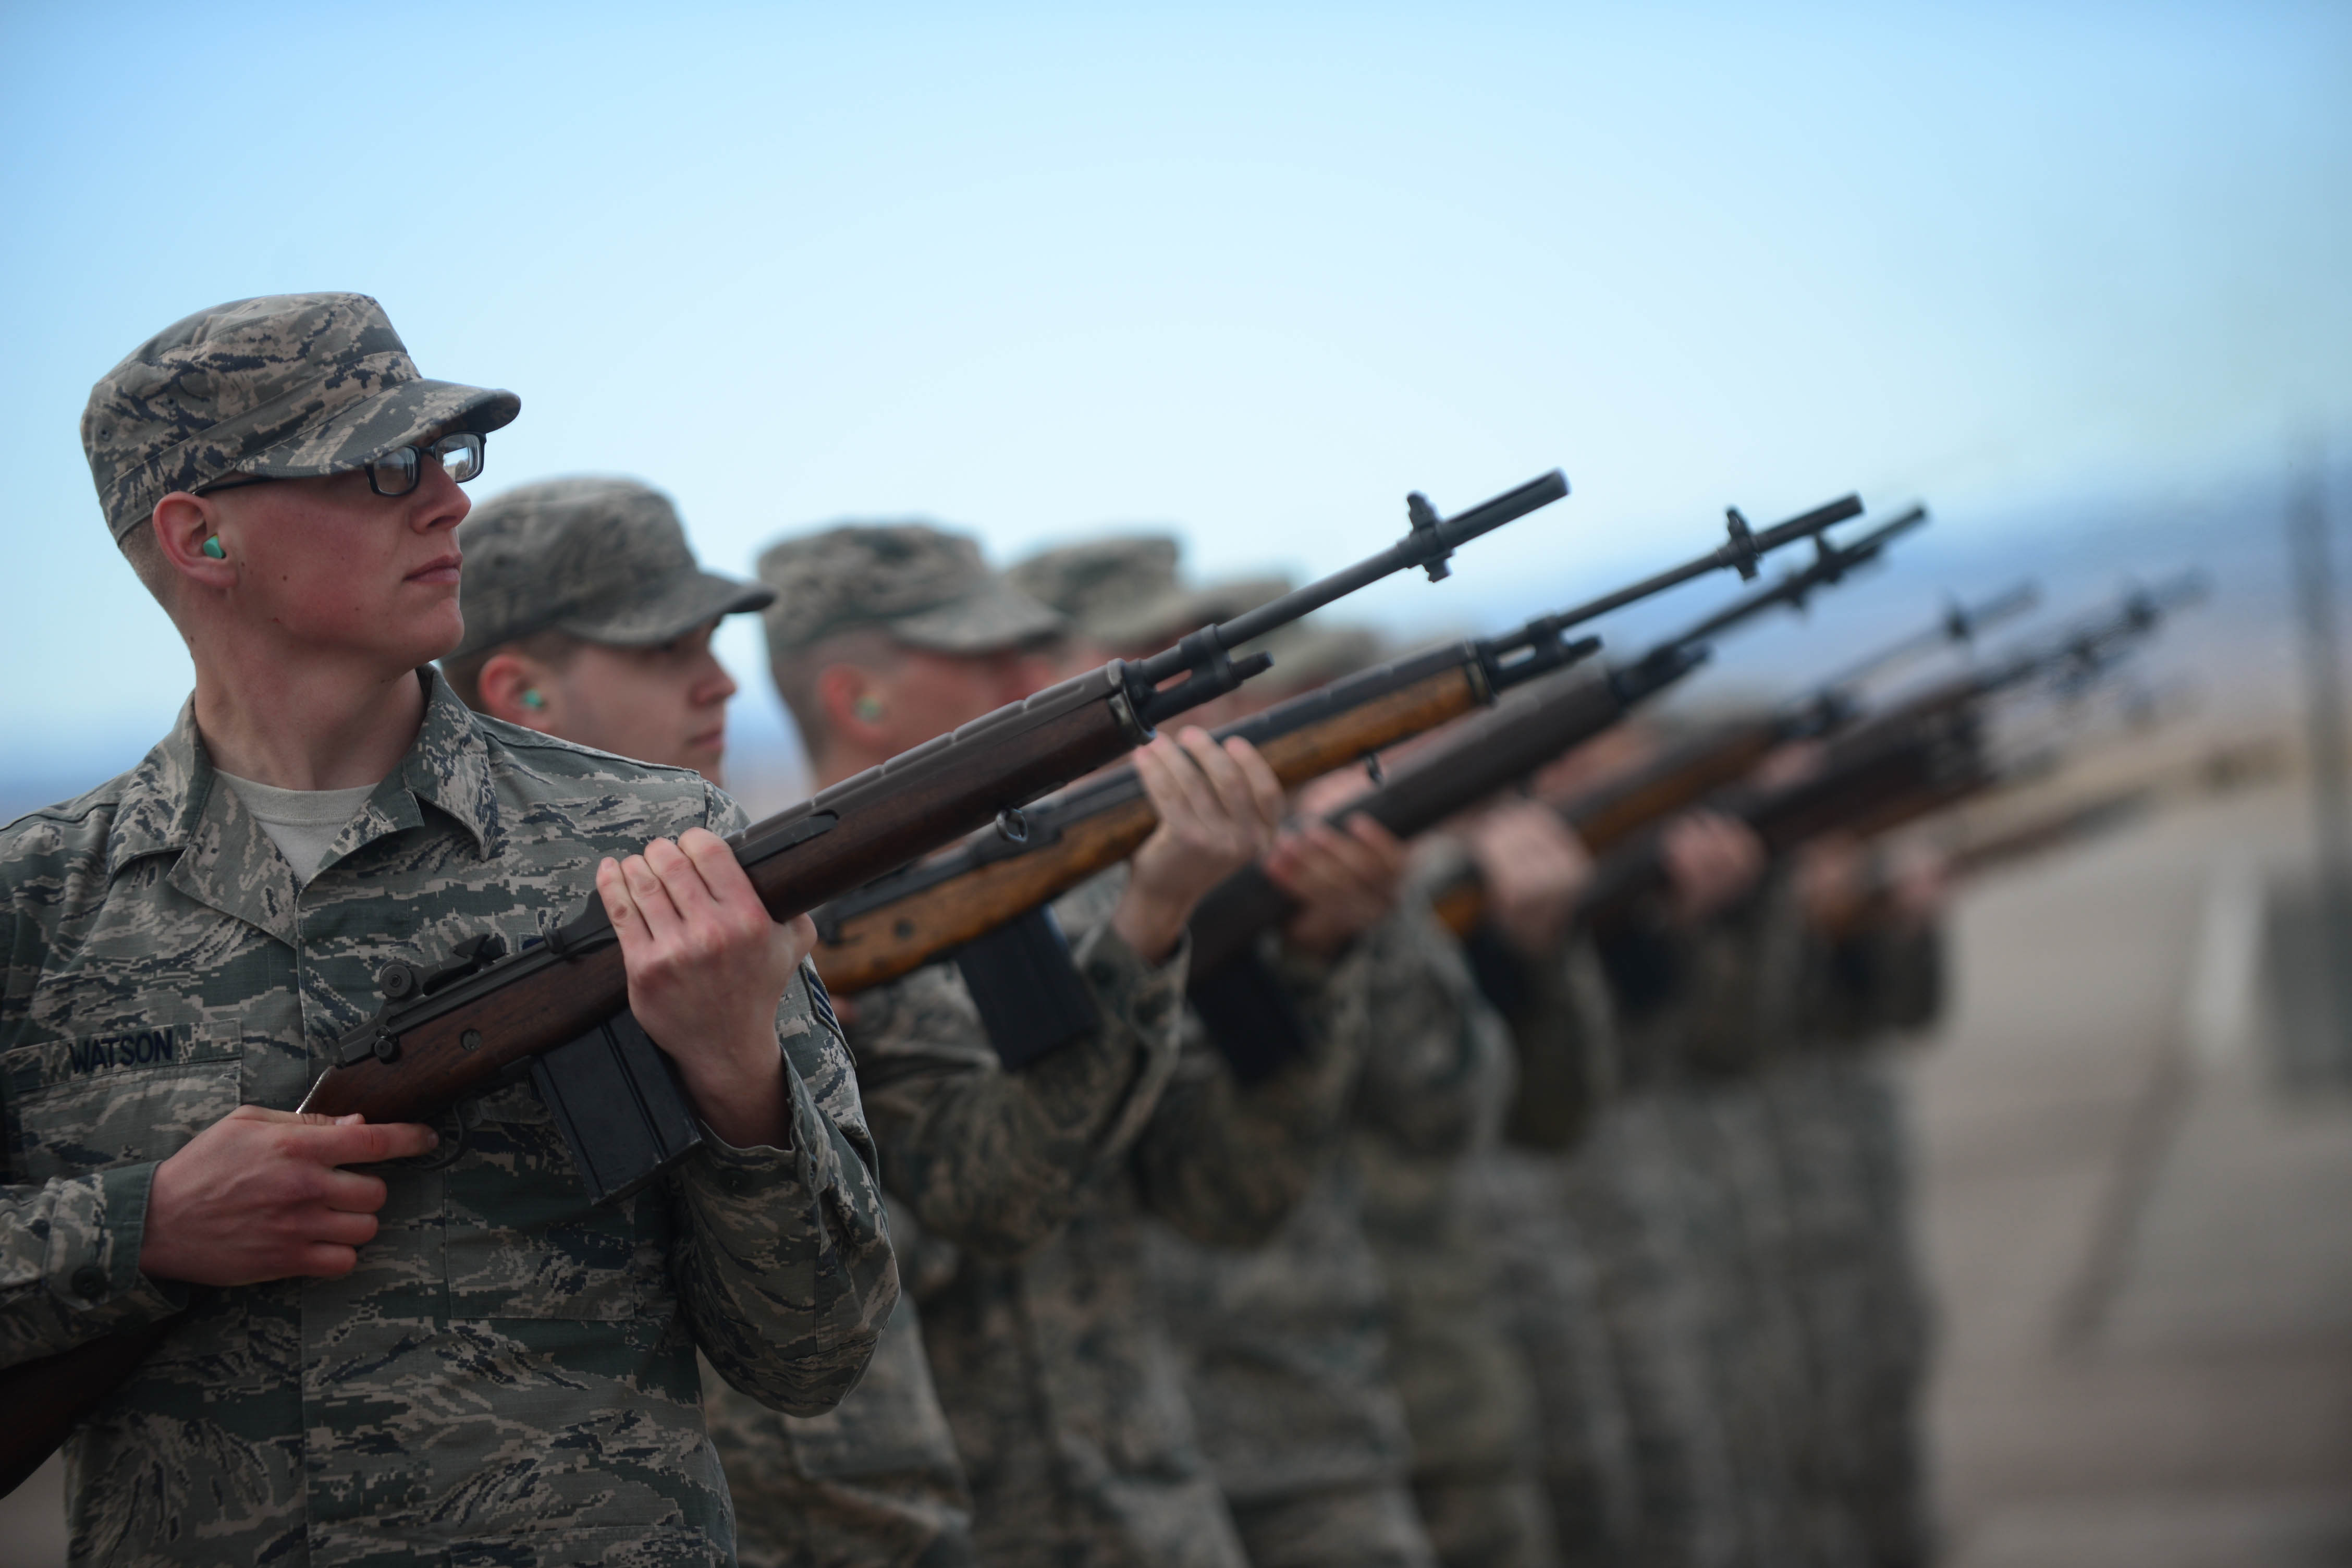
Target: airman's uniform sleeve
994, 1161
68, 1244
783, 1255
1426, 1060
1225, 1162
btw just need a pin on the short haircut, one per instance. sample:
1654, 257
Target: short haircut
796, 674
141, 548
552, 648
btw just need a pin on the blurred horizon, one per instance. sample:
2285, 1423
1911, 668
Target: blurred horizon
2072, 275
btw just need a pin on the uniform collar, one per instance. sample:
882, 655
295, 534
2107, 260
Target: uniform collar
173, 803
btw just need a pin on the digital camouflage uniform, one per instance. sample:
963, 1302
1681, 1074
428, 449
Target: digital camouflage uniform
1047, 1349
1837, 1120
1563, 1025
1285, 1350
1437, 1083
1640, 1211
875, 1480
508, 1376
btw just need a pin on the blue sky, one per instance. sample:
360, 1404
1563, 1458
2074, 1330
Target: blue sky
1254, 272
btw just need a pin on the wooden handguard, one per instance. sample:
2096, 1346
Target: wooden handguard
879, 944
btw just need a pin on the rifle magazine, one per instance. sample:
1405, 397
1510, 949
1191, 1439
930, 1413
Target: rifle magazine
617, 1100
1032, 1000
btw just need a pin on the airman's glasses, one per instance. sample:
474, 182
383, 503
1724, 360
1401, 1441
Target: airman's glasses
398, 471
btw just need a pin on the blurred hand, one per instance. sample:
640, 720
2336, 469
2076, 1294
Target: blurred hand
1535, 870
1833, 881
1711, 862
1921, 885
707, 967
262, 1195
1345, 882
1218, 806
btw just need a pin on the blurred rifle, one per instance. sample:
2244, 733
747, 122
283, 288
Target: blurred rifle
1486, 755
1610, 813
983, 902
2217, 772
557, 1012
1922, 755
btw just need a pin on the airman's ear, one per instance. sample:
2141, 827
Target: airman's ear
507, 683
852, 702
184, 525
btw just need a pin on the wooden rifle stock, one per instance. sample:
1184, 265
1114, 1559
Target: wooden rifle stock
902, 922
1489, 754
1607, 816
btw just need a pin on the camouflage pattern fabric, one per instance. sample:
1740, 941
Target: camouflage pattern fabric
1531, 1191
603, 559
508, 1375
1046, 1346
1842, 1143
874, 1481
927, 587
1438, 1080
1639, 1210
288, 385
1124, 592
1741, 982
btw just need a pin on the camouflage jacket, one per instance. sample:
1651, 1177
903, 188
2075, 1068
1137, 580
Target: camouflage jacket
1436, 1043
1287, 1348
1045, 1344
508, 1375
874, 1482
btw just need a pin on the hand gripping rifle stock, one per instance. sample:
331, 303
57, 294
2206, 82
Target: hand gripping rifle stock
1499, 749
897, 924
484, 1017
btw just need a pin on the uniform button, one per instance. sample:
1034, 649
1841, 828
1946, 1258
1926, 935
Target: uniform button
89, 1280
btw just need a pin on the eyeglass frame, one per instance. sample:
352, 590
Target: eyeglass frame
482, 459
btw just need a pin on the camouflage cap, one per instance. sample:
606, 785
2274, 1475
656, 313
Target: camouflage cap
603, 559
1312, 652
288, 386
928, 588
1124, 591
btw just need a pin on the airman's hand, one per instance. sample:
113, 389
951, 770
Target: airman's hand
1535, 870
1345, 882
1712, 861
1218, 808
262, 1195
707, 967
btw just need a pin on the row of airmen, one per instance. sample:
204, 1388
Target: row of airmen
1551, 1247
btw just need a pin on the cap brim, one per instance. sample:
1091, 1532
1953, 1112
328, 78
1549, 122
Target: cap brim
684, 603
997, 616
397, 416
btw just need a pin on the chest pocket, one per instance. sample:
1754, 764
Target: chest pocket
521, 1238
117, 1099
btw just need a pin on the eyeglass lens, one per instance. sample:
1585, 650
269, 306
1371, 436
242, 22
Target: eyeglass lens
396, 472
